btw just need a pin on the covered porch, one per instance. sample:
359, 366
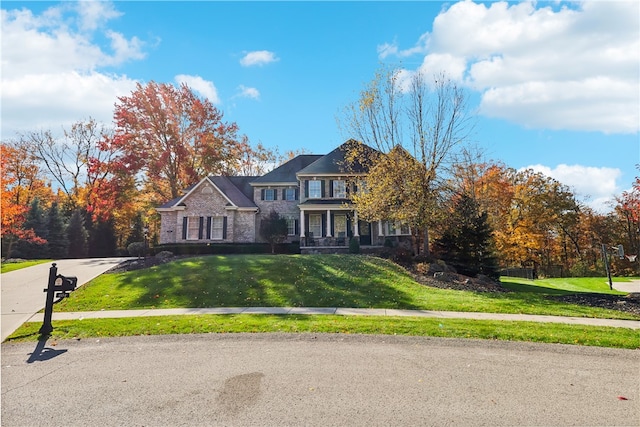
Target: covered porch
332, 225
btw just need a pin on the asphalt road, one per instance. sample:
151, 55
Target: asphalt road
22, 290
310, 380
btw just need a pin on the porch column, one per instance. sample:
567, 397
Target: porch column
356, 225
328, 223
380, 228
302, 227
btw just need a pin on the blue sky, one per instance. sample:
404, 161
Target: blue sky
556, 85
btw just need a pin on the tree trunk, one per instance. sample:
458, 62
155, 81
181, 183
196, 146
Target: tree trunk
426, 243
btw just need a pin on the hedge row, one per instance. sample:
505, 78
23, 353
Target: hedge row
225, 248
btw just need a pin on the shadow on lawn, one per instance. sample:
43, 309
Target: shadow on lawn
271, 281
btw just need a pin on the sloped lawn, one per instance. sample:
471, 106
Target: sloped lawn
299, 281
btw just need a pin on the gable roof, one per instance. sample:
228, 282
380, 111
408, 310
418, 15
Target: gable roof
335, 162
236, 189
286, 173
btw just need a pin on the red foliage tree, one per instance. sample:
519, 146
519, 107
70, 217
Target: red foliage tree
170, 138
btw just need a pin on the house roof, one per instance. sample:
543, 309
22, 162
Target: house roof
335, 162
236, 189
286, 173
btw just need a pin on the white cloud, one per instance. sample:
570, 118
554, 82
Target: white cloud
249, 92
200, 85
50, 66
596, 186
573, 68
258, 57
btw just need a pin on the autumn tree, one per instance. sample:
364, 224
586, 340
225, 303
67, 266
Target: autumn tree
20, 183
628, 210
428, 120
67, 158
171, 138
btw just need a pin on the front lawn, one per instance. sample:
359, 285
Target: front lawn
300, 281
6, 267
428, 327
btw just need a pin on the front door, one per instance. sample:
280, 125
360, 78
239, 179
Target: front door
365, 233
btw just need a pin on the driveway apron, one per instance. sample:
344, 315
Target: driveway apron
23, 290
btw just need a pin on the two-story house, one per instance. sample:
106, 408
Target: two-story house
310, 191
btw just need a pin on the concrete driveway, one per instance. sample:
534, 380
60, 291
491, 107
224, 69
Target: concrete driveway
632, 286
23, 290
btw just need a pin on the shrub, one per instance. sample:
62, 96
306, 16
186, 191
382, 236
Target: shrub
136, 249
354, 245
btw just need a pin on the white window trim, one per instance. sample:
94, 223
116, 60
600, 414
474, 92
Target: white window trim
196, 220
342, 192
314, 191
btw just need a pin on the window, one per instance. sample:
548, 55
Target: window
269, 194
315, 189
290, 194
217, 228
339, 191
193, 228
292, 228
340, 226
315, 225
397, 229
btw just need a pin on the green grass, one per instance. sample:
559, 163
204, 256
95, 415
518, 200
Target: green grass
450, 328
563, 286
304, 281
12, 266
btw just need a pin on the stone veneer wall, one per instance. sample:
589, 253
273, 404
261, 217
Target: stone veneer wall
286, 208
206, 201
168, 227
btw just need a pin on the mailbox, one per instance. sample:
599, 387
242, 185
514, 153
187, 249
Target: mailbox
64, 283
58, 286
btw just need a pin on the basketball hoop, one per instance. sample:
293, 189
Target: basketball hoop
631, 258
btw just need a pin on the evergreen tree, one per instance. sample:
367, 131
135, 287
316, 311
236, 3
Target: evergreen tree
57, 233
137, 230
77, 235
36, 220
274, 229
102, 239
467, 242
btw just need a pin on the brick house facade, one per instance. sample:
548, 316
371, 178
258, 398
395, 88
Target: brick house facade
310, 191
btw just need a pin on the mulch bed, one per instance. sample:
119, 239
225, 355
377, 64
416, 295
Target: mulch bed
628, 303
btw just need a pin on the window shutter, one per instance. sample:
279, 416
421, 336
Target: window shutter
184, 228
224, 227
275, 194
322, 188
201, 228
296, 226
284, 194
333, 228
209, 221
324, 224
297, 195
331, 190
262, 194
306, 189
